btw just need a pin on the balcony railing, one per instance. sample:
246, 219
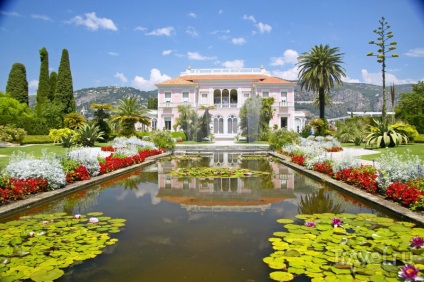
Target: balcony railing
226, 106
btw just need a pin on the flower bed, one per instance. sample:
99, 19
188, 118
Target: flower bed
27, 175
398, 178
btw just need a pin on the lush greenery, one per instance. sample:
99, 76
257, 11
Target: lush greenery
39, 247
280, 137
12, 135
335, 247
351, 130
410, 107
37, 139
213, 172
383, 48
319, 70
64, 91
17, 84
43, 90
381, 134
127, 113
162, 139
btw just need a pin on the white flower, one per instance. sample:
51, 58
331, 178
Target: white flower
93, 220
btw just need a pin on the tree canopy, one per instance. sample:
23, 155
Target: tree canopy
64, 91
410, 107
43, 90
127, 113
17, 84
319, 70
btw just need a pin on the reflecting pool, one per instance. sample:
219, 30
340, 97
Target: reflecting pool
196, 229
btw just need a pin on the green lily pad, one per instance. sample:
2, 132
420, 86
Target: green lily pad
281, 276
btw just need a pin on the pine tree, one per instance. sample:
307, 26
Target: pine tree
64, 92
17, 84
53, 82
43, 83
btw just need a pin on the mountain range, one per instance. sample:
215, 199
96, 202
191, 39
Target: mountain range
355, 97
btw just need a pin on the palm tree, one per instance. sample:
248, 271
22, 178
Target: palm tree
127, 113
318, 70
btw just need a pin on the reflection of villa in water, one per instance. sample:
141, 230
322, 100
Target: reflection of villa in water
225, 194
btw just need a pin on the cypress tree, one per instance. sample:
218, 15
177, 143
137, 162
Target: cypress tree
53, 81
17, 84
43, 90
64, 93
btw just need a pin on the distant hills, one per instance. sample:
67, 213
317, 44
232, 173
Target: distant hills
355, 97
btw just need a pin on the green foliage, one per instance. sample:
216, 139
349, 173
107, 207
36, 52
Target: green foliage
11, 110
215, 172
43, 90
306, 131
351, 130
281, 137
37, 139
265, 115
57, 134
320, 127
187, 121
250, 118
319, 69
53, 83
12, 134
100, 115
162, 139
179, 135
88, 134
381, 135
406, 129
152, 103
74, 120
204, 130
383, 48
410, 107
419, 138
127, 113
17, 84
64, 91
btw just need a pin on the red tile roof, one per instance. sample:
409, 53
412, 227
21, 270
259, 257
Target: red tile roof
274, 80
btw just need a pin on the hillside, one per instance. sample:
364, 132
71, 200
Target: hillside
356, 97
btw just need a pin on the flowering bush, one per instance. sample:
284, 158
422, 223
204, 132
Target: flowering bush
12, 134
348, 161
122, 142
12, 189
77, 174
364, 177
108, 148
87, 157
26, 166
405, 193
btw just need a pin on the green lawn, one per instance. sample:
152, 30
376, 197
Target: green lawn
413, 148
36, 149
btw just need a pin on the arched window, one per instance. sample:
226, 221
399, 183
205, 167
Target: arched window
225, 98
233, 98
232, 124
218, 124
217, 97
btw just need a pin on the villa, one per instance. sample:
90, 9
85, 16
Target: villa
224, 91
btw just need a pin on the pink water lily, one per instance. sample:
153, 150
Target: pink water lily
410, 273
336, 222
417, 242
93, 220
310, 224
45, 222
31, 234
77, 216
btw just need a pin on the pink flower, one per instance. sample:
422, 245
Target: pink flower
310, 224
31, 234
77, 216
410, 273
45, 222
417, 242
336, 222
93, 220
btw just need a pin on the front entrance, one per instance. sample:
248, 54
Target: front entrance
283, 122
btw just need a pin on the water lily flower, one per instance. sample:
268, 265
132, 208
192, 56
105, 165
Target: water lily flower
310, 224
336, 222
410, 273
45, 222
93, 220
31, 234
77, 216
417, 242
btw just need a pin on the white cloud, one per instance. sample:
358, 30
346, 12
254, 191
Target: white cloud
179, 55
417, 52
92, 22
41, 17
140, 28
196, 56
376, 78
220, 12
263, 27
220, 31
192, 31
32, 87
289, 57
193, 15
147, 85
238, 41
167, 31
236, 64
290, 74
249, 18
121, 77
166, 52
10, 14
350, 80
113, 53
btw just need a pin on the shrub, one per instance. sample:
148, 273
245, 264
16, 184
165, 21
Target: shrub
179, 134
281, 137
409, 130
419, 139
48, 167
88, 134
57, 134
87, 157
37, 139
12, 134
163, 139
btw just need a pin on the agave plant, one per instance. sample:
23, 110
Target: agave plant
89, 134
382, 135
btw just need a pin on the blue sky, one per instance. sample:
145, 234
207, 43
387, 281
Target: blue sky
140, 43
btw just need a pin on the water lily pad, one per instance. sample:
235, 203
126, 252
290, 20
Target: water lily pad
94, 214
281, 276
285, 220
